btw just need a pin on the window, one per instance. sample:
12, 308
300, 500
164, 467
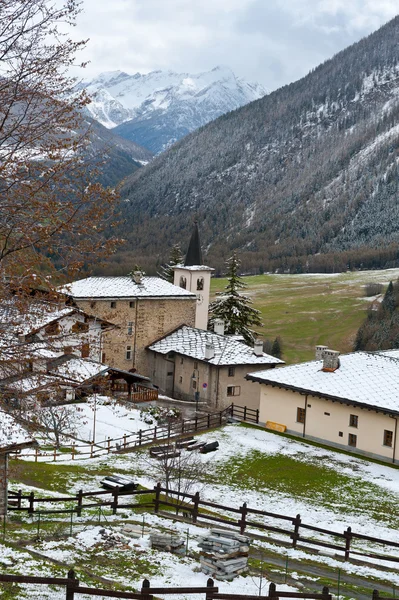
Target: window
300, 415
113, 304
232, 371
103, 357
53, 329
79, 327
128, 352
85, 350
200, 284
181, 360
309, 406
341, 433
180, 379
183, 282
131, 304
92, 304
169, 374
353, 420
130, 328
233, 390
195, 365
194, 384
327, 414
352, 440
68, 349
388, 437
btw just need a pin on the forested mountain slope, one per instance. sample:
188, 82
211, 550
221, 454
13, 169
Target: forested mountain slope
311, 168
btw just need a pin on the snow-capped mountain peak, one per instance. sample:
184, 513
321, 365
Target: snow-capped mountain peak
160, 98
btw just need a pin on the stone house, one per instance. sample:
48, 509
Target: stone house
349, 401
13, 438
196, 365
144, 308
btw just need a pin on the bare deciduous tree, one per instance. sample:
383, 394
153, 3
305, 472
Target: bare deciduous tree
58, 421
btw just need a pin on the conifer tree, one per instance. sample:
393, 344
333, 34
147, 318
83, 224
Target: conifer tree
234, 308
277, 348
176, 258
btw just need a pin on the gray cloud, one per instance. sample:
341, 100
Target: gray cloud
270, 41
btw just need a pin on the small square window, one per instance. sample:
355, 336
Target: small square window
341, 433
309, 406
352, 440
181, 360
327, 414
232, 371
170, 373
128, 352
113, 304
130, 328
195, 365
233, 390
300, 415
131, 304
353, 420
388, 438
180, 379
92, 304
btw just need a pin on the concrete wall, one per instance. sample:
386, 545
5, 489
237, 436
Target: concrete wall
325, 420
176, 375
150, 319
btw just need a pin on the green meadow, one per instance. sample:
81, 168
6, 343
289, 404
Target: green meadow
310, 309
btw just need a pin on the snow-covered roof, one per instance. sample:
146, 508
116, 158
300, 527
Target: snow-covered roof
194, 267
123, 287
78, 370
365, 378
12, 433
190, 341
31, 383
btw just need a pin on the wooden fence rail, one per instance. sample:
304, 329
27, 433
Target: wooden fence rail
192, 504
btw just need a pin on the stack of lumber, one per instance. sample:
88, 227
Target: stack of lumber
224, 554
168, 542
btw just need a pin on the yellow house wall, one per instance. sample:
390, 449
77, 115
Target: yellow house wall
325, 419
151, 319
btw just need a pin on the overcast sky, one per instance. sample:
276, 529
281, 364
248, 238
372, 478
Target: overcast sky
272, 42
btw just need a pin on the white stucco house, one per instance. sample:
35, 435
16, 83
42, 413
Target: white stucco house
349, 401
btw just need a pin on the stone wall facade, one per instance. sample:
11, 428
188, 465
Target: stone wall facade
140, 322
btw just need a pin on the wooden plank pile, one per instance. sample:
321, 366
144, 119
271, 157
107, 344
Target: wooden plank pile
224, 554
168, 542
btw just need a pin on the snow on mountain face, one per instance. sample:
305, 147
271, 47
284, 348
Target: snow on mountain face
163, 98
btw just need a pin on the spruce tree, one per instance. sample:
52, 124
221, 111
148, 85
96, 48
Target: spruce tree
175, 258
234, 308
277, 348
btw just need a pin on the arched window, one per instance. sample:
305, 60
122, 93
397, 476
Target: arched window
183, 282
200, 283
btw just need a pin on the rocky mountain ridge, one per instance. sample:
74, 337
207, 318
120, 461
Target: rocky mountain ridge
159, 108
309, 171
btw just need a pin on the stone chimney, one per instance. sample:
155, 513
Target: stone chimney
209, 351
330, 360
258, 348
137, 277
320, 352
218, 326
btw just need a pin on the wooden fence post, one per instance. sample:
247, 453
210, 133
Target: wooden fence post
31, 508
196, 505
348, 539
209, 592
157, 496
242, 522
79, 497
182, 426
140, 435
145, 587
91, 451
257, 415
73, 451
232, 409
209, 421
36, 453
19, 498
272, 590
124, 440
55, 454
114, 505
109, 445
296, 523
245, 413
376, 595
72, 585
326, 593
196, 423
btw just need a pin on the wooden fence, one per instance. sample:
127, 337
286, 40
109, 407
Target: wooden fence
294, 530
145, 437
73, 588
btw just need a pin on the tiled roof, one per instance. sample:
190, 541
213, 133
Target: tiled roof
123, 287
191, 342
194, 267
369, 378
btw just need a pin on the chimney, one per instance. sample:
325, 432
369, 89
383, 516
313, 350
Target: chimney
258, 348
137, 277
218, 326
330, 360
209, 351
320, 352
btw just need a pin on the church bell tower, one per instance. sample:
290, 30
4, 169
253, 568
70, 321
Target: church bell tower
195, 277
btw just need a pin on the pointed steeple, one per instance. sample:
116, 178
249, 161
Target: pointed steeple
194, 254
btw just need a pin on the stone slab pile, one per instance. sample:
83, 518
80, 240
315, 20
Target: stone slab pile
224, 554
168, 542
